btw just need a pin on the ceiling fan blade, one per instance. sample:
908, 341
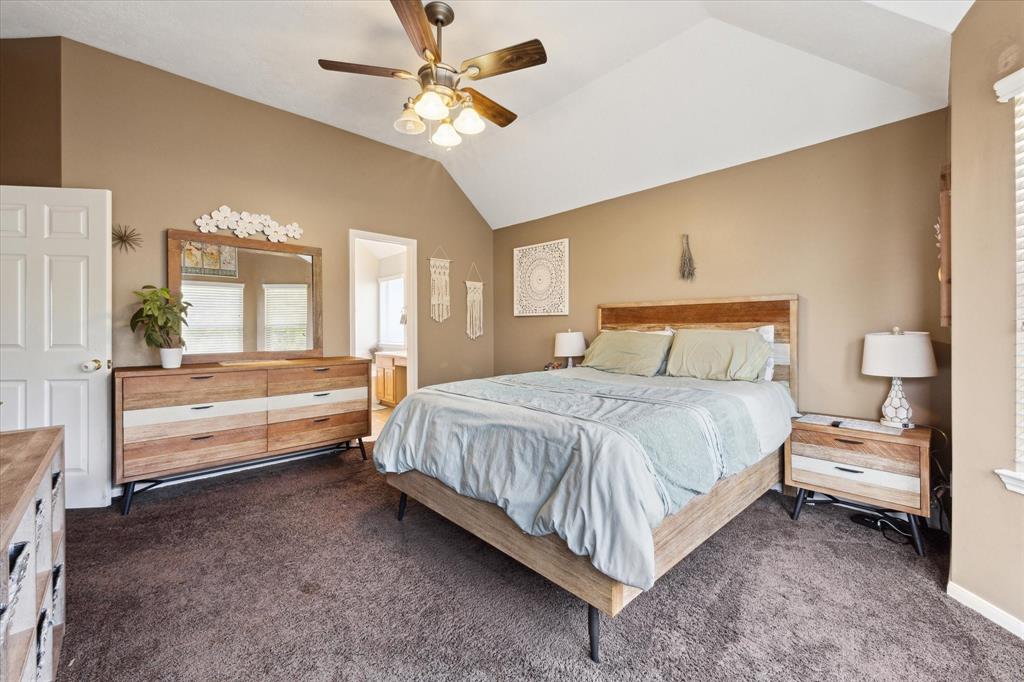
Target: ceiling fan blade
364, 69
521, 56
414, 21
491, 110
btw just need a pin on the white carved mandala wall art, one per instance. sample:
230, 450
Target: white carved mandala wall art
245, 224
541, 279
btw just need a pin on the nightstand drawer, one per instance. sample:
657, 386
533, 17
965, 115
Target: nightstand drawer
884, 486
882, 455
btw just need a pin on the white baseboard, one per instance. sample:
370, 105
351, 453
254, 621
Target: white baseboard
991, 611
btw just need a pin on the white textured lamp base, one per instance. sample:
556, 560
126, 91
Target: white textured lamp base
896, 410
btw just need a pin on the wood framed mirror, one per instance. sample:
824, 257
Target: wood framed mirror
251, 300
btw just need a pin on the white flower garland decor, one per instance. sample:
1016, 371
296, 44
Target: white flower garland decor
245, 224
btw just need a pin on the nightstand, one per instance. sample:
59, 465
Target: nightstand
890, 472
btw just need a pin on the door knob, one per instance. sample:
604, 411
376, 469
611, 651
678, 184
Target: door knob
91, 365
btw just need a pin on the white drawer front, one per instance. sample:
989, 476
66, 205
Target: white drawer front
180, 413
340, 395
884, 479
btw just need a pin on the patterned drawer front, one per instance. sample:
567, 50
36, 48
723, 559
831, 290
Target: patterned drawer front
317, 404
185, 420
314, 379
189, 389
335, 427
205, 449
860, 452
874, 483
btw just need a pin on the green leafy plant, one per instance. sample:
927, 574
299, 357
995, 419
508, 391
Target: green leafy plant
161, 317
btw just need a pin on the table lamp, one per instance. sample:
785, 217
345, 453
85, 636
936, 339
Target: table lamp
899, 355
569, 345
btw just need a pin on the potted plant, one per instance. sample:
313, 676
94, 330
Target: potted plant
161, 317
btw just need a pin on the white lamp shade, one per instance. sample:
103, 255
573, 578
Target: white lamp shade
570, 344
907, 354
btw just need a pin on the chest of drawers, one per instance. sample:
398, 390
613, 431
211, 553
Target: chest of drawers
172, 422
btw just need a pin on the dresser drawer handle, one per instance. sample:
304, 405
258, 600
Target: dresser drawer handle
321, 419
321, 395
209, 435
320, 369
202, 407
849, 442
849, 471
204, 376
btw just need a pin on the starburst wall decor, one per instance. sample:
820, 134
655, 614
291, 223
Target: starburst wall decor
125, 237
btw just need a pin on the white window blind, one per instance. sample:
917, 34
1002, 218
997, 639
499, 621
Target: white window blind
1018, 131
215, 318
285, 317
392, 304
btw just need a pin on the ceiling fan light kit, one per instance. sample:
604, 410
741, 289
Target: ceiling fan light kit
441, 98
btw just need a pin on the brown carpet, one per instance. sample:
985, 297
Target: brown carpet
301, 572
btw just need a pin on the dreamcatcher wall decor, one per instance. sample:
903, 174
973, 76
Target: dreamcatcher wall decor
440, 290
541, 279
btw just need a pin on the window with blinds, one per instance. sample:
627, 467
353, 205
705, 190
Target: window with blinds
285, 317
391, 302
1018, 131
215, 318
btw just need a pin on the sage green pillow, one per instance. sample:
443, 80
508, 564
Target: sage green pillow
718, 354
628, 352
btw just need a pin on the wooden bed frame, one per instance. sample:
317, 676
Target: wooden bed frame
679, 534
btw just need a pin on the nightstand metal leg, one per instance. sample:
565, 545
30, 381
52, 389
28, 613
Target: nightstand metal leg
915, 533
801, 495
362, 449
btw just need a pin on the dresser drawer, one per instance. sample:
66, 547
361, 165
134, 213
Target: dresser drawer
186, 452
186, 420
316, 404
187, 389
840, 477
299, 432
312, 379
860, 452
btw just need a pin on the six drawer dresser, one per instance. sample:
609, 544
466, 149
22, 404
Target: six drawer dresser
173, 422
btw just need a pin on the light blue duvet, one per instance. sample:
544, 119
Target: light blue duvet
598, 458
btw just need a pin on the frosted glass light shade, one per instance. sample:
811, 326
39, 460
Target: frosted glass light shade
570, 344
409, 123
905, 355
445, 136
431, 107
469, 122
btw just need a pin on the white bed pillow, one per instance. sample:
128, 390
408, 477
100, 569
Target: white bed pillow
767, 333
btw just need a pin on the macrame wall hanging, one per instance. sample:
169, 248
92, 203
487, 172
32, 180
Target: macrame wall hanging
474, 304
440, 294
687, 269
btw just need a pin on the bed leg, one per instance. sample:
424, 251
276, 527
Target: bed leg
594, 623
402, 501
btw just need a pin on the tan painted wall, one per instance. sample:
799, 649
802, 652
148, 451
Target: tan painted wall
846, 224
988, 532
171, 149
30, 112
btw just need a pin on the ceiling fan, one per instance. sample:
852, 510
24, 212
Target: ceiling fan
440, 94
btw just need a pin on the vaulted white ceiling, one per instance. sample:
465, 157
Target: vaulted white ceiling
634, 94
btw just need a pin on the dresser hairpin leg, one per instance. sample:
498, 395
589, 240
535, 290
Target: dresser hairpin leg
362, 449
801, 496
126, 497
915, 533
402, 501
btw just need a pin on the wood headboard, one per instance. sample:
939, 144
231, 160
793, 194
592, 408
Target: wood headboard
719, 313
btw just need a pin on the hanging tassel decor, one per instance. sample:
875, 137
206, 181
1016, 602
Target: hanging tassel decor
687, 269
440, 297
474, 309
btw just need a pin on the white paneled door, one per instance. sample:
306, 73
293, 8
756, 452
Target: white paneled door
55, 333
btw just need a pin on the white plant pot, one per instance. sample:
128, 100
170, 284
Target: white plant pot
170, 358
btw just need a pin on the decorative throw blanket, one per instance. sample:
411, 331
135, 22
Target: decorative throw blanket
599, 463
